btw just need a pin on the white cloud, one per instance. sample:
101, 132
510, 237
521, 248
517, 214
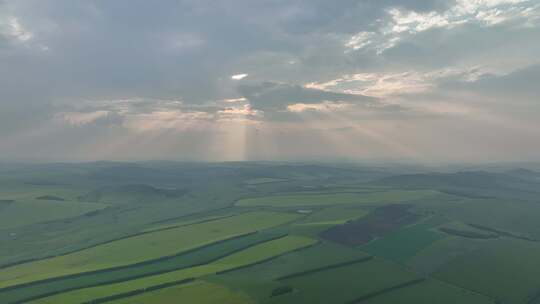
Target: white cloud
326, 106
403, 23
239, 76
239, 114
398, 83
410, 21
360, 40
12, 27
81, 118
148, 115
166, 120
233, 100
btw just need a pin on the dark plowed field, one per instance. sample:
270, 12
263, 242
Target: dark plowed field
380, 222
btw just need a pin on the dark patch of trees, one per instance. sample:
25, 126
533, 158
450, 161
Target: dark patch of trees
281, 290
50, 198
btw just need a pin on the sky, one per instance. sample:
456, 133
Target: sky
233, 80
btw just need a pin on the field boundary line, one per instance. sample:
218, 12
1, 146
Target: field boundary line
386, 290
135, 277
267, 259
324, 268
152, 261
137, 292
4, 266
502, 233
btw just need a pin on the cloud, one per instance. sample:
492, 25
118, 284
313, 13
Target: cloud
360, 40
170, 79
519, 85
319, 107
81, 118
403, 23
239, 76
12, 28
270, 96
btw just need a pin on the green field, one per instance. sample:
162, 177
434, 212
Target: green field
259, 280
298, 200
322, 219
236, 233
199, 256
333, 215
426, 293
249, 256
514, 216
507, 270
404, 244
186, 222
27, 211
344, 284
143, 247
24, 204
440, 252
263, 180
199, 292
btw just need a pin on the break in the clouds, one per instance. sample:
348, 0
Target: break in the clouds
426, 80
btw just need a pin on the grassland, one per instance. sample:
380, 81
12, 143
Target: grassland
201, 233
27, 204
263, 180
142, 247
429, 292
298, 200
403, 244
334, 215
255, 254
320, 255
177, 224
259, 280
428, 259
199, 292
344, 284
514, 216
27, 211
507, 270
321, 219
199, 256
464, 230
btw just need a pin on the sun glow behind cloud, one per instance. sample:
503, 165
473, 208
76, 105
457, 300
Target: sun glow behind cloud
239, 76
411, 79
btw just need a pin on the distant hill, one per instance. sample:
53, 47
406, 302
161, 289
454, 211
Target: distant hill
50, 198
136, 193
472, 184
524, 174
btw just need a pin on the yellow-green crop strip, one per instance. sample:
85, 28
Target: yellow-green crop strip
249, 256
144, 247
199, 292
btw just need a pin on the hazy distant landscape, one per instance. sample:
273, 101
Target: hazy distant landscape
163, 232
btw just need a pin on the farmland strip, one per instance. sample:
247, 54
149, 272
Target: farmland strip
315, 270
266, 260
138, 291
50, 291
502, 233
113, 240
386, 290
